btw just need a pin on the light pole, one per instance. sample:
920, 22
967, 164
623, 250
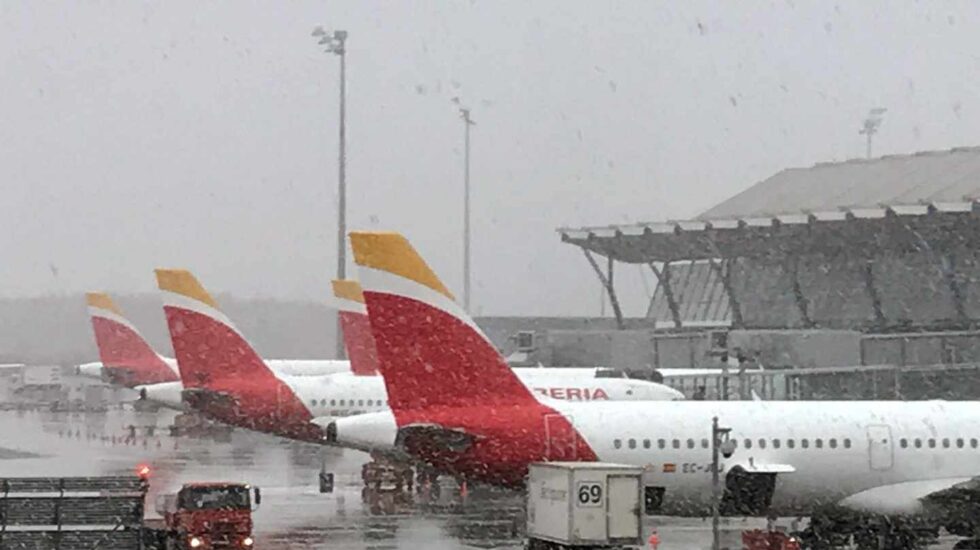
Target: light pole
720, 444
464, 113
870, 126
336, 43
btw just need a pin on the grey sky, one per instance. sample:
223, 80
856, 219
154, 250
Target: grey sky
204, 135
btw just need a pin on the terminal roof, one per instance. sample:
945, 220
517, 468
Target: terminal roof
822, 208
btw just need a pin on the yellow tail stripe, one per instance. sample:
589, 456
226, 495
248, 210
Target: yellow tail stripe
391, 252
181, 281
102, 300
348, 290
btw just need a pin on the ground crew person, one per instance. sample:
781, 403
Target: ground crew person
654, 540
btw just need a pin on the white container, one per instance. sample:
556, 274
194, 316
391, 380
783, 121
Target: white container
585, 504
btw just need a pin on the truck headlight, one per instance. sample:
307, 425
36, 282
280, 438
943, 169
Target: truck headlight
195, 542
247, 541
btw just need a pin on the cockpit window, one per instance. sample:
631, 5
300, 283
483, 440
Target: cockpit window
610, 373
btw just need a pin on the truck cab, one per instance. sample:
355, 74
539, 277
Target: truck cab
210, 515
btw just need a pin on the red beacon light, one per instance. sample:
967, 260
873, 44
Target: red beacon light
143, 471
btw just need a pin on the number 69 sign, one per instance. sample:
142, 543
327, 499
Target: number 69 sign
588, 493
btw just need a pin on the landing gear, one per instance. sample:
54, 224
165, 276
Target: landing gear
387, 484
428, 483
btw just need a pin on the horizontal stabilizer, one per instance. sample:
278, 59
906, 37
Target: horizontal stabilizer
902, 498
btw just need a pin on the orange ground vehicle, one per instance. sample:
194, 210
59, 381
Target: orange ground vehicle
207, 515
108, 512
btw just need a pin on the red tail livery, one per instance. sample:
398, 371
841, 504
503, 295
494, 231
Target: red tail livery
231, 381
449, 388
356, 328
127, 358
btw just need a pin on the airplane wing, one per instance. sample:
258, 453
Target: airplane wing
932, 496
434, 437
204, 399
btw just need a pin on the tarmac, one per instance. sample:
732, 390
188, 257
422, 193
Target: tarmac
293, 513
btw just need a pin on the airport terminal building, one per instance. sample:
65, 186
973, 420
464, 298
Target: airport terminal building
870, 263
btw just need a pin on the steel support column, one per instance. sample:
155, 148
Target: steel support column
663, 275
723, 268
946, 264
791, 266
607, 281
869, 285
949, 272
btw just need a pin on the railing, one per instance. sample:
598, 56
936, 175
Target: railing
940, 381
71, 513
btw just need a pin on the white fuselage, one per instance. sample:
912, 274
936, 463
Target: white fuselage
823, 451
320, 367
290, 367
344, 394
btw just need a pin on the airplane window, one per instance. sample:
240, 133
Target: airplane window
790, 443
342, 402
360, 402
617, 443
904, 443
973, 443
805, 443
677, 444
775, 443
918, 443
662, 443
847, 443
748, 443
690, 443
762, 443
313, 403
646, 443
704, 443
932, 443
959, 442
632, 443
832, 443
945, 443
333, 402
818, 443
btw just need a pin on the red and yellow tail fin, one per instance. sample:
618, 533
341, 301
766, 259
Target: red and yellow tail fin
206, 342
213, 355
125, 354
430, 351
356, 327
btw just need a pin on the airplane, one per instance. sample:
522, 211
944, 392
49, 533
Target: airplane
227, 380
127, 359
359, 341
456, 405
355, 327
